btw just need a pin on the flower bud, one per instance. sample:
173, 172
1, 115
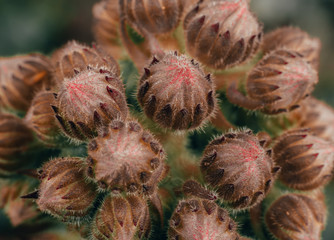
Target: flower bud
239, 167
40, 117
21, 77
124, 157
64, 191
277, 83
89, 100
122, 218
155, 17
296, 216
175, 92
222, 33
307, 161
294, 39
201, 219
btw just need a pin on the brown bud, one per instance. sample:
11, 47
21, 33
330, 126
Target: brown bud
153, 16
222, 33
307, 161
124, 157
201, 219
175, 92
75, 57
277, 83
122, 218
294, 39
21, 77
40, 117
296, 216
64, 191
239, 167
89, 100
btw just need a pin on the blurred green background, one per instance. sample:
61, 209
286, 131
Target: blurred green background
44, 25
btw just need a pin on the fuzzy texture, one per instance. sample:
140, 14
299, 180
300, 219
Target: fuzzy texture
307, 161
21, 77
125, 157
89, 100
297, 217
201, 220
122, 218
295, 39
239, 167
222, 33
175, 93
64, 191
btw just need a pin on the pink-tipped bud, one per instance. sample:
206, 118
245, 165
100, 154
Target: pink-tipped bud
306, 161
175, 92
201, 219
239, 167
124, 157
222, 33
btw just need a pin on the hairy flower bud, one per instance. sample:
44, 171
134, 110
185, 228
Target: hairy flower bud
175, 92
307, 161
201, 219
296, 216
64, 191
126, 158
21, 77
153, 16
89, 100
277, 83
122, 218
239, 167
40, 117
294, 39
222, 33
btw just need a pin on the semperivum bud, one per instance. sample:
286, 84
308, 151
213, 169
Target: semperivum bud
201, 219
64, 191
294, 39
124, 157
21, 77
222, 33
239, 168
297, 217
40, 117
15, 138
175, 92
89, 100
75, 57
316, 116
153, 16
122, 218
307, 161
277, 83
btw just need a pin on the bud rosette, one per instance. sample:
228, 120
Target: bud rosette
307, 161
64, 191
201, 219
175, 92
89, 100
277, 83
40, 117
239, 167
155, 17
296, 216
21, 77
315, 115
122, 218
294, 39
75, 57
15, 138
222, 33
